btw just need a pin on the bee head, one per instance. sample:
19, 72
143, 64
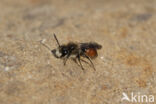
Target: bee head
60, 52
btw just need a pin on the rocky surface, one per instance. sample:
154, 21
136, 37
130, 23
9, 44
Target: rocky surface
29, 74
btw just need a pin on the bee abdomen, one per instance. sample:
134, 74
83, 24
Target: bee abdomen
92, 53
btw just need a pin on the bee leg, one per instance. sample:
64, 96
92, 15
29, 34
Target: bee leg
65, 60
90, 61
80, 62
84, 61
74, 59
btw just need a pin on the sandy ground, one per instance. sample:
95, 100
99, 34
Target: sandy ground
29, 74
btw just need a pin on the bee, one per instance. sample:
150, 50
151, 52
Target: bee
76, 51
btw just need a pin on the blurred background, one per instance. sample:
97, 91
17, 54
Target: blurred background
29, 74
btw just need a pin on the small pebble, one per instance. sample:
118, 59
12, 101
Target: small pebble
43, 41
7, 69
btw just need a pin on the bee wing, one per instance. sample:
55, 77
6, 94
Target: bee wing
91, 45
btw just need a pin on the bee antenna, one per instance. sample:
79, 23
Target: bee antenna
45, 45
56, 40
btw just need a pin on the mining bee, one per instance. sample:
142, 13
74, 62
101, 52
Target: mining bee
76, 51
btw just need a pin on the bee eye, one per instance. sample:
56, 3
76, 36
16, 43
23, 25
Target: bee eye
64, 51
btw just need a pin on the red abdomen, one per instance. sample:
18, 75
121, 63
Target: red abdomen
92, 53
